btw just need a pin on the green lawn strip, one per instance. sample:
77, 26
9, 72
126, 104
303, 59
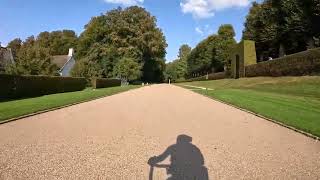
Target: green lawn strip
306, 86
300, 112
17, 108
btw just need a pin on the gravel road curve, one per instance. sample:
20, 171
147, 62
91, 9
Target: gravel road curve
113, 138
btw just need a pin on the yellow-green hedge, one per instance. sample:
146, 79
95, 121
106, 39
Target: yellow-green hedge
31, 86
303, 63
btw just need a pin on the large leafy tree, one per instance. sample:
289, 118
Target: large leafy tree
282, 27
131, 33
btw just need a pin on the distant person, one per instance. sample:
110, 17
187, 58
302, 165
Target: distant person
187, 162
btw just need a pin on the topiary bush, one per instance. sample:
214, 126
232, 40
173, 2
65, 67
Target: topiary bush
32, 86
303, 63
105, 83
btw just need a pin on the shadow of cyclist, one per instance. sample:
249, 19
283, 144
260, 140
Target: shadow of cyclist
187, 162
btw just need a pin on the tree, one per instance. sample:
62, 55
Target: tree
177, 69
212, 54
130, 33
226, 35
282, 27
15, 46
261, 27
184, 51
58, 42
32, 60
128, 69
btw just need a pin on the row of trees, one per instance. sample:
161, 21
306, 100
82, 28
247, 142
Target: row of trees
282, 27
122, 43
210, 55
33, 56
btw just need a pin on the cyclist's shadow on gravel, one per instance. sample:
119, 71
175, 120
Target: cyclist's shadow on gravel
187, 162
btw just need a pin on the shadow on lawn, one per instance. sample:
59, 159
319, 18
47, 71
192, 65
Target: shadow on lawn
187, 161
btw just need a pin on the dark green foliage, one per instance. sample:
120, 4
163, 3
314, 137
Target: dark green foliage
282, 27
177, 70
105, 83
31, 86
131, 33
303, 63
32, 60
128, 69
33, 55
212, 54
58, 42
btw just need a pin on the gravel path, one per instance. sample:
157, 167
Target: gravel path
113, 138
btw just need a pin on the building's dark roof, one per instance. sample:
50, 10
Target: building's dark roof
60, 60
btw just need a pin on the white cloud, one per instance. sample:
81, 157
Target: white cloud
206, 8
199, 31
125, 2
204, 30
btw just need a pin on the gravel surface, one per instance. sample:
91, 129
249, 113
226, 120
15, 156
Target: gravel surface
113, 138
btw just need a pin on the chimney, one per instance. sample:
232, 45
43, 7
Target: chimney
71, 52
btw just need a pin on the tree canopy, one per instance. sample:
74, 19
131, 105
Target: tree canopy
32, 60
128, 69
177, 70
282, 27
130, 33
212, 54
33, 56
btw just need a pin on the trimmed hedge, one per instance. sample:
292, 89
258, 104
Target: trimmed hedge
303, 63
31, 86
105, 83
213, 76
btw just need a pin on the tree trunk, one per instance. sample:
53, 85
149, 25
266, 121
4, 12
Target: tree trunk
282, 51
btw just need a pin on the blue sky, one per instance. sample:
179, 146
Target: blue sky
182, 21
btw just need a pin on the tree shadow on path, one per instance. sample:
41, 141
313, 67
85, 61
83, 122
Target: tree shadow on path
186, 161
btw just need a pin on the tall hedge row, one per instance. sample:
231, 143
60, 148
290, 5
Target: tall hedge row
303, 63
105, 83
32, 86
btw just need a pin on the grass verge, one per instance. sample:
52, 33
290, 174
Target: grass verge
17, 108
294, 101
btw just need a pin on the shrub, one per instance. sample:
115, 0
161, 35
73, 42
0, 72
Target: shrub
32, 86
303, 63
104, 83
